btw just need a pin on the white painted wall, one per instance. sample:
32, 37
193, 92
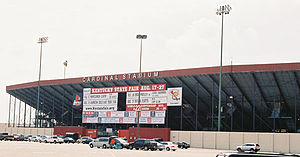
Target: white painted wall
269, 142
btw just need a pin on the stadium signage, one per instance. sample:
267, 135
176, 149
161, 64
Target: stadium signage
120, 77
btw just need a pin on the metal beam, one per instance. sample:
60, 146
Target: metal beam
14, 112
194, 94
8, 124
247, 99
183, 84
33, 91
238, 105
296, 76
281, 93
25, 114
260, 90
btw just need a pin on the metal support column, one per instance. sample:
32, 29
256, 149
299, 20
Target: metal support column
295, 112
14, 112
167, 118
30, 116
212, 106
181, 112
52, 114
62, 108
231, 100
181, 115
197, 106
242, 112
19, 112
72, 115
25, 114
295, 103
274, 120
253, 108
9, 108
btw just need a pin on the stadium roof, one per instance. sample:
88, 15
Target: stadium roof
260, 86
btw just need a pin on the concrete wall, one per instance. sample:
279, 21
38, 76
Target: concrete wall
294, 143
26, 131
197, 139
209, 140
269, 142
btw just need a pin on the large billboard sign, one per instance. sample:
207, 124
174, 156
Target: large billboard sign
100, 105
99, 102
153, 87
124, 117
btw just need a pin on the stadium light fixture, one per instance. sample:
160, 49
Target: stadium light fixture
40, 41
141, 37
225, 9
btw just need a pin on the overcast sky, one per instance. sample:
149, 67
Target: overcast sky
97, 37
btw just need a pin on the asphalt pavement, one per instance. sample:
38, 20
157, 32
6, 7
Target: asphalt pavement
34, 149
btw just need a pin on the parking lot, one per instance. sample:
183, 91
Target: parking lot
34, 149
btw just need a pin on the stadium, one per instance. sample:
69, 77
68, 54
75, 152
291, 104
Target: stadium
258, 98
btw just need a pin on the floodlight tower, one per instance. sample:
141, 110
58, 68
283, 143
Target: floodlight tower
225, 9
141, 37
40, 41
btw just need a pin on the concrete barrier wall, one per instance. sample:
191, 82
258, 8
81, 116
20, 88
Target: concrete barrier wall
174, 135
269, 142
222, 140
294, 143
197, 139
27, 131
250, 138
236, 139
266, 141
185, 136
209, 140
282, 142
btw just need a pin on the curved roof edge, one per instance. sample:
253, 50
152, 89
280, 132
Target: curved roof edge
166, 73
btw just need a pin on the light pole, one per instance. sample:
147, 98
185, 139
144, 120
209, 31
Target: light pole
65, 68
40, 41
141, 37
225, 9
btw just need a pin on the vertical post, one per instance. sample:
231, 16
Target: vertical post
231, 100
254, 107
25, 114
14, 112
141, 37
38, 96
62, 108
295, 103
274, 120
212, 106
181, 116
52, 112
30, 116
9, 108
242, 112
220, 84
41, 112
139, 98
19, 113
295, 112
181, 111
167, 118
196, 126
72, 115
